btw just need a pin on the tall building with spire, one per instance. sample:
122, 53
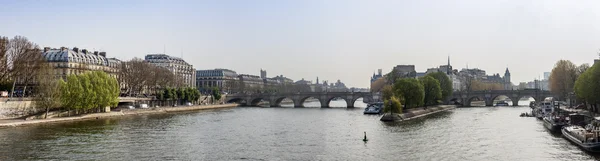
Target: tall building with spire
507, 83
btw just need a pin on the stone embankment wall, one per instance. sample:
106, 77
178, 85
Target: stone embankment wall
17, 107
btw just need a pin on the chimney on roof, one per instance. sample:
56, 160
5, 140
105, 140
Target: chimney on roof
75, 49
103, 54
46, 49
84, 51
96, 53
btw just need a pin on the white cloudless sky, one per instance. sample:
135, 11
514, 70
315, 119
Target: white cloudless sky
334, 39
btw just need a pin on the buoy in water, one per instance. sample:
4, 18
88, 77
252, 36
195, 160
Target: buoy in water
365, 139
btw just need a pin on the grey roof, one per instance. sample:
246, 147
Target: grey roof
156, 58
76, 56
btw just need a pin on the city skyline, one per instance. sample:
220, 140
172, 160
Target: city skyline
345, 40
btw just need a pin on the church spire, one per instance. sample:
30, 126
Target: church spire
448, 68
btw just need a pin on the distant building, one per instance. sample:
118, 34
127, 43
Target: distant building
406, 71
224, 79
263, 74
283, 79
475, 73
479, 75
546, 75
77, 61
176, 65
302, 81
250, 82
376, 76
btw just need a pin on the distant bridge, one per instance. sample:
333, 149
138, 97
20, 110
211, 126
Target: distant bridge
489, 95
299, 98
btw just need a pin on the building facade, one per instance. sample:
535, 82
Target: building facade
177, 66
65, 61
224, 79
251, 82
405, 71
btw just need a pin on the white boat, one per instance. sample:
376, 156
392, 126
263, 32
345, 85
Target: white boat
585, 137
545, 108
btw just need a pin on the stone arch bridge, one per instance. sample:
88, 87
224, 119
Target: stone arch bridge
298, 99
465, 98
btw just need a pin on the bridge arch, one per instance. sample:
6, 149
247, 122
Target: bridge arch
331, 98
361, 104
302, 100
514, 99
237, 100
256, 101
474, 98
278, 100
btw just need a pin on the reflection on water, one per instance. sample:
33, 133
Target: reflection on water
482, 133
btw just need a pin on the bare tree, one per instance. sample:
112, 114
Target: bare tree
4, 46
159, 78
467, 82
24, 61
134, 75
48, 90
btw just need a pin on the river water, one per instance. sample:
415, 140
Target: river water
484, 133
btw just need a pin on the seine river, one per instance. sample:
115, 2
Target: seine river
252, 133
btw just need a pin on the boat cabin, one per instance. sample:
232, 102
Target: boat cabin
580, 119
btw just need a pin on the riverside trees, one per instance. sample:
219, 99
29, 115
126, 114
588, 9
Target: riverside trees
587, 87
412, 93
445, 84
432, 90
180, 95
562, 78
89, 91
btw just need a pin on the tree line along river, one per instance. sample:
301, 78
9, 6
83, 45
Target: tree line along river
253, 133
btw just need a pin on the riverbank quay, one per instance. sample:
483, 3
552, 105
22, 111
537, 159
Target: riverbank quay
416, 113
21, 122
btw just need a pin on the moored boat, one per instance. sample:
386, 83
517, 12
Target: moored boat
374, 108
545, 108
532, 104
585, 137
502, 103
554, 123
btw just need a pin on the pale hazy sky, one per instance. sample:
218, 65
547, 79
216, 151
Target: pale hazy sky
331, 39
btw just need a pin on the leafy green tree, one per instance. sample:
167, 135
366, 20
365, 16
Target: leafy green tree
107, 90
387, 92
72, 93
395, 105
445, 84
216, 94
180, 94
587, 86
89, 93
410, 91
432, 90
